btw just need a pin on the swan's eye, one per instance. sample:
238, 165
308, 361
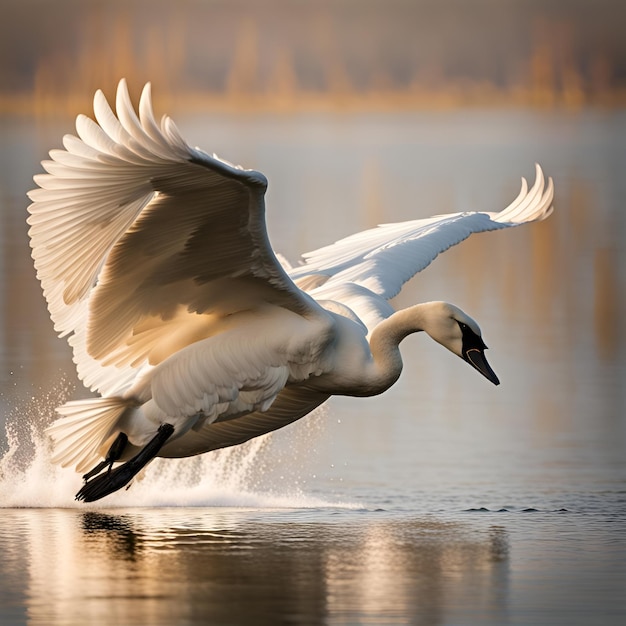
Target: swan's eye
470, 338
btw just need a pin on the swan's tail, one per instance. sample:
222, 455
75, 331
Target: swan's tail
82, 430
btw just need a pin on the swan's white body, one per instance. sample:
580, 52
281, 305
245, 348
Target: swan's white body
155, 262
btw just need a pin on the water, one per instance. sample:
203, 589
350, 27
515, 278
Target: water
443, 501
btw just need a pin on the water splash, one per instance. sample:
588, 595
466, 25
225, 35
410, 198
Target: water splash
243, 476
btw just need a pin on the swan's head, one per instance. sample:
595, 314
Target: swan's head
458, 332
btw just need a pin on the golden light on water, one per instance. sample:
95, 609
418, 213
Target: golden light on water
127, 567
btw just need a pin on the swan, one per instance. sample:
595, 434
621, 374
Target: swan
155, 262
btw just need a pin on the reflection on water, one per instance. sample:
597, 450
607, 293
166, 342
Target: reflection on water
228, 567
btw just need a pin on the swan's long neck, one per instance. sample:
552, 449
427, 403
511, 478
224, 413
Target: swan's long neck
385, 343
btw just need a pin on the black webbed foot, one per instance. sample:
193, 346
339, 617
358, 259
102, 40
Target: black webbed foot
115, 479
115, 452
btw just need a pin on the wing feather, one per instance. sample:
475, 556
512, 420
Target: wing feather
382, 259
131, 225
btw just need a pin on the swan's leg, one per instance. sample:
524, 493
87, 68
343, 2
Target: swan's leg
113, 480
114, 453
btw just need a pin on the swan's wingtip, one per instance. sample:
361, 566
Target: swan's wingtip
147, 90
532, 204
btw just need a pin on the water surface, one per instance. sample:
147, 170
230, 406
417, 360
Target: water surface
445, 500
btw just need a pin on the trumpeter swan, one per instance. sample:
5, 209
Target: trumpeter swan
155, 262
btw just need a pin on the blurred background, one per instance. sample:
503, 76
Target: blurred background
362, 112
298, 55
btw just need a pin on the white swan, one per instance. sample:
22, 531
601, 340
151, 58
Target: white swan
155, 262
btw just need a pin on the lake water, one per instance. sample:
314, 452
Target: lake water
444, 501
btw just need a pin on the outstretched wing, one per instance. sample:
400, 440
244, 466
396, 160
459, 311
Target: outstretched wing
144, 245
382, 259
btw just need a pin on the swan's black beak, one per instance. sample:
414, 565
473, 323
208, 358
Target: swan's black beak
476, 358
474, 353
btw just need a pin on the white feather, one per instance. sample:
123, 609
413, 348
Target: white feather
380, 260
84, 427
156, 265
